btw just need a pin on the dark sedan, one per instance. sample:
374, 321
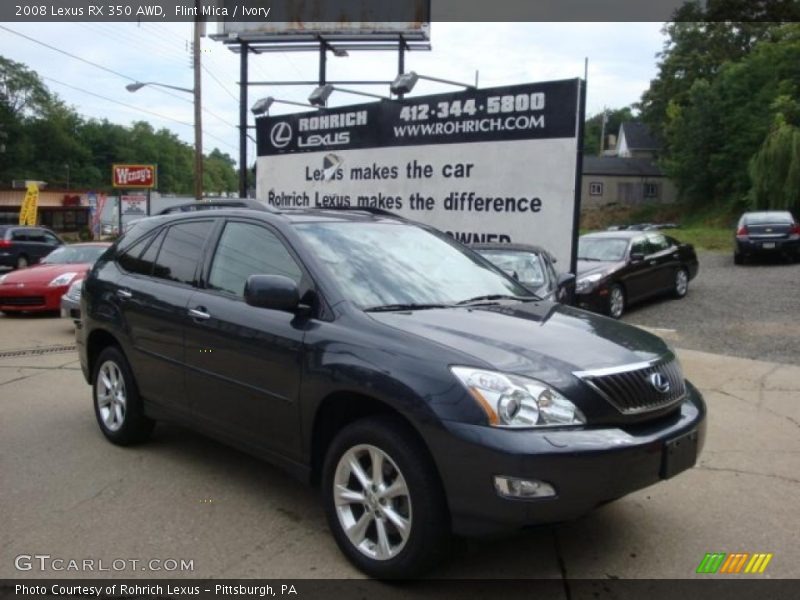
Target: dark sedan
532, 266
618, 268
767, 233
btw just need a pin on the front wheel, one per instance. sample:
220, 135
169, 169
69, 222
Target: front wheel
383, 499
616, 301
117, 404
681, 283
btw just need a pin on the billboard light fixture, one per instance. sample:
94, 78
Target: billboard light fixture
262, 106
319, 97
405, 82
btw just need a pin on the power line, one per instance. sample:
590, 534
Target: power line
112, 71
139, 109
222, 85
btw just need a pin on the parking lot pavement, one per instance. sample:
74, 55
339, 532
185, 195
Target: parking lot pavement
750, 311
68, 493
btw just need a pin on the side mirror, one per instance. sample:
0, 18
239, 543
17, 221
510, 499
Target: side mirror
566, 280
637, 257
274, 292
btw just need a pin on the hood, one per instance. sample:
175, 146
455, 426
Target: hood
44, 274
587, 267
540, 339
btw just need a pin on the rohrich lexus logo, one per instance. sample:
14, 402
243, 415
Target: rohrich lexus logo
281, 134
659, 382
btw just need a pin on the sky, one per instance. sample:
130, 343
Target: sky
622, 61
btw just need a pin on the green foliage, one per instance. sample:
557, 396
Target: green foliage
775, 169
594, 127
45, 139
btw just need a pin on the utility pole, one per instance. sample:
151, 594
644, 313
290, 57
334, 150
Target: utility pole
603, 131
198, 114
243, 119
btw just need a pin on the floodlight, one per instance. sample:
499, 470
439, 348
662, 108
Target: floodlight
319, 97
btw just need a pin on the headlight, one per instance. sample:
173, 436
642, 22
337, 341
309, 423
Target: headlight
584, 284
3, 277
74, 291
518, 402
62, 279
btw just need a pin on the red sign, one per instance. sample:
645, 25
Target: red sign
133, 176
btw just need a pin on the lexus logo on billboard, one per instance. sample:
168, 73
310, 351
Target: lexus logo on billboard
281, 134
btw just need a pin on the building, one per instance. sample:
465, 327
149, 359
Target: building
60, 210
629, 175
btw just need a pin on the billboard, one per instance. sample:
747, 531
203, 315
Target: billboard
256, 20
490, 165
133, 176
134, 205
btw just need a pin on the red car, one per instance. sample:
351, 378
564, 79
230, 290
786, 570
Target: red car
39, 288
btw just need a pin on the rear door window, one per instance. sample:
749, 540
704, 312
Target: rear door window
658, 243
140, 257
181, 250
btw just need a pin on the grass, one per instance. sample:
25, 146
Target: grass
708, 229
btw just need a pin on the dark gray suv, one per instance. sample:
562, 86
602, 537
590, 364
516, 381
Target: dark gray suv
420, 387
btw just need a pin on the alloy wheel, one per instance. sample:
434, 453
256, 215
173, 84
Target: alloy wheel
373, 502
681, 283
111, 397
616, 302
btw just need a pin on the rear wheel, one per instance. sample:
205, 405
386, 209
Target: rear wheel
22, 261
616, 301
117, 404
383, 499
681, 283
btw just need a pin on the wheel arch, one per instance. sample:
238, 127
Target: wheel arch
99, 340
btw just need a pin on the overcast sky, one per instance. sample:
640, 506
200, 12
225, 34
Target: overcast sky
621, 56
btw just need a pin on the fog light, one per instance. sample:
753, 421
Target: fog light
521, 489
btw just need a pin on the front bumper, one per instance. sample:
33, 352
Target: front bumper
595, 300
70, 309
30, 298
587, 467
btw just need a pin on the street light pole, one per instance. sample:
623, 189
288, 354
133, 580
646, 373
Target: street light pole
198, 114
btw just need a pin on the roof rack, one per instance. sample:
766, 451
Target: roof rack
246, 203
382, 212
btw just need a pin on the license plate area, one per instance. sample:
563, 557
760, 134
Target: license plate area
679, 454
768, 245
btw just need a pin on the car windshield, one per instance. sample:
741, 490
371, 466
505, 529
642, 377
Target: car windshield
768, 218
527, 266
74, 254
605, 249
387, 264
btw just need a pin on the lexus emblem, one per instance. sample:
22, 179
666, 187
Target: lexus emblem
659, 382
281, 134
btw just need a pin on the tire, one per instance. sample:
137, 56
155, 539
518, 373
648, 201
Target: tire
22, 261
117, 405
422, 508
616, 301
738, 259
681, 283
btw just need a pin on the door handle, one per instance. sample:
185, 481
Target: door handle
199, 313
124, 294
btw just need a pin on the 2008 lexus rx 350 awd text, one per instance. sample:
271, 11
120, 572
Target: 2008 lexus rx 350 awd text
424, 391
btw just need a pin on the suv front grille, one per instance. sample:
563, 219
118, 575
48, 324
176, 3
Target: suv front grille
639, 388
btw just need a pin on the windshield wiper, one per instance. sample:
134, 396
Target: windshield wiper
493, 297
401, 307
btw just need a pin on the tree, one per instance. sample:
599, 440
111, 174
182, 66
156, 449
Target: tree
594, 127
775, 168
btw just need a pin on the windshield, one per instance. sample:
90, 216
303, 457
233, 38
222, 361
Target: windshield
527, 266
74, 254
380, 264
605, 249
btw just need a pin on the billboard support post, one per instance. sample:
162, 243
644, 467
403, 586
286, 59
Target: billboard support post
323, 61
401, 61
243, 120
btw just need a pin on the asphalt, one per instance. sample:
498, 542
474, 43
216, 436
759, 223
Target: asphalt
68, 493
751, 311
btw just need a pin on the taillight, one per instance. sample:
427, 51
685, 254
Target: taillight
5, 243
795, 230
742, 231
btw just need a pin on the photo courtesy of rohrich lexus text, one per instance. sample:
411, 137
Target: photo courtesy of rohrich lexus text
430, 298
